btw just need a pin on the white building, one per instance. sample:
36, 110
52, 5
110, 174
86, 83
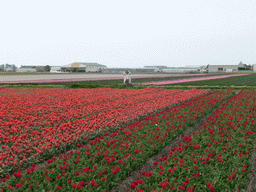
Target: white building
83, 67
8, 69
25, 68
254, 67
179, 70
156, 69
228, 68
193, 66
55, 69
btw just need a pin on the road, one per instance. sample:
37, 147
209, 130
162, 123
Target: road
12, 78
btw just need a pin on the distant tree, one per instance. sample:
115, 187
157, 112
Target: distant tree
47, 68
14, 68
39, 69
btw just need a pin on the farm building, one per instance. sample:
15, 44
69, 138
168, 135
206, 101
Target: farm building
254, 67
181, 69
228, 68
83, 67
157, 68
177, 70
132, 70
31, 68
27, 69
55, 69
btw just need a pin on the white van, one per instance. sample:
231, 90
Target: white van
55, 70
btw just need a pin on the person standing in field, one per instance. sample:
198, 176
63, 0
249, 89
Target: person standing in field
127, 79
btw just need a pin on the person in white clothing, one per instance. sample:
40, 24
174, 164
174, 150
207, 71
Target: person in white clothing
127, 79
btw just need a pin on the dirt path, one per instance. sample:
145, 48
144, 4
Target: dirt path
251, 186
53, 76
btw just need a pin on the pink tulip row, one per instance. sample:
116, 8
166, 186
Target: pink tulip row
189, 80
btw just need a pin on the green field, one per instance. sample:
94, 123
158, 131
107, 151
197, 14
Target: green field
248, 80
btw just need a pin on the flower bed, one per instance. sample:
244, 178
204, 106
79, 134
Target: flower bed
190, 80
37, 136
214, 158
45, 101
100, 164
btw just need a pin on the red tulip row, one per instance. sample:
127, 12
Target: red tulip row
107, 159
128, 113
22, 139
214, 158
49, 100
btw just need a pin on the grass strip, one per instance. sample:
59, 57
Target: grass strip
247, 80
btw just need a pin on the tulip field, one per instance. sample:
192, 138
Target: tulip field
118, 130
215, 158
35, 121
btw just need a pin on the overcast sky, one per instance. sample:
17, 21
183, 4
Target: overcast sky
131, 33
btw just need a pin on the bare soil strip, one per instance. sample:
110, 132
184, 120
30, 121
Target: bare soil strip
85, 76
149, 165
251, 186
